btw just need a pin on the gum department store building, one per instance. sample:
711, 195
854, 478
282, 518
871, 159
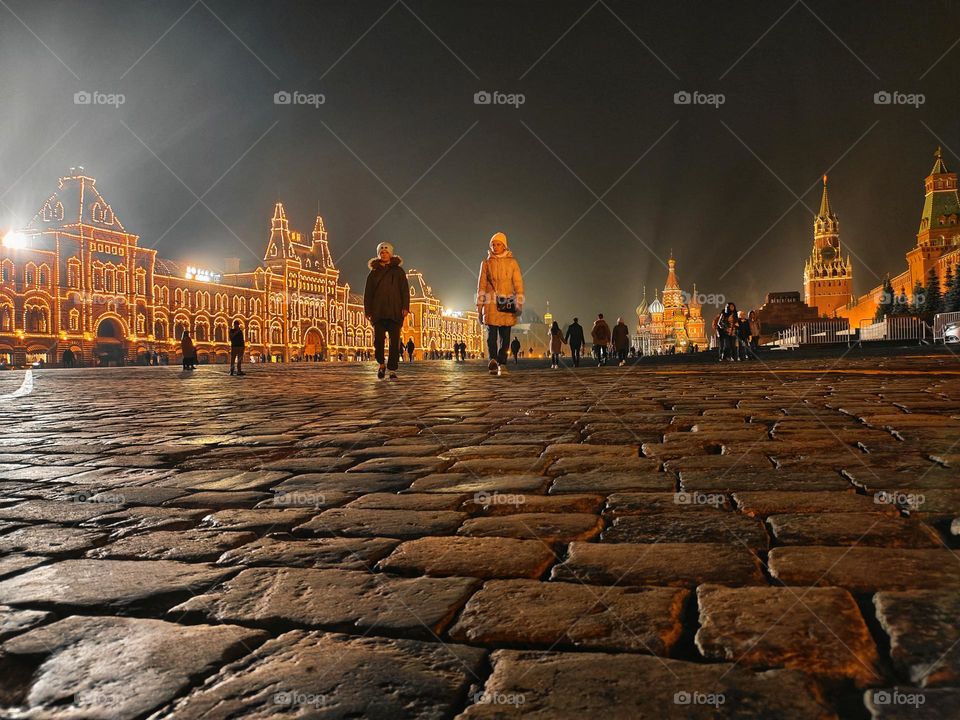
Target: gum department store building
76, 278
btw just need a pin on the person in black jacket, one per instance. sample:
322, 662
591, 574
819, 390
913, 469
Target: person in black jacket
236, 348
574, 338
515, 350
386, 303
410, 349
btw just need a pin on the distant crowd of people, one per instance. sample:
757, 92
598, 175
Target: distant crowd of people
499, 302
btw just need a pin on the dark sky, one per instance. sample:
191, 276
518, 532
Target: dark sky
717, 186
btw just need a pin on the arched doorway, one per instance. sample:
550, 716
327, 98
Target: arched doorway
314, 346
109, 348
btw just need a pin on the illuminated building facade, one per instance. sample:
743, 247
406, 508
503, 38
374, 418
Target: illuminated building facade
670, 322
75, 278
827, 277
937, 245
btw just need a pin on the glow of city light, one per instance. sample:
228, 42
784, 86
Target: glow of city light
15, 240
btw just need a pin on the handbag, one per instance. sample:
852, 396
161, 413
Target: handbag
505, 303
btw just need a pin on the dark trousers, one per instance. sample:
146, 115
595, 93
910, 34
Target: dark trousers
495, 332
575, 354
555, 358
236, 356
381, 328
622, 355
600, 352
728, 347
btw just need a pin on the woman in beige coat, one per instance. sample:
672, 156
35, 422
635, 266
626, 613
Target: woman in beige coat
499, 299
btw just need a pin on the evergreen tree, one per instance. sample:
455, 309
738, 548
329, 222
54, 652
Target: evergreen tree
901, 305
951, 301
917, 302
886, 304
933, 300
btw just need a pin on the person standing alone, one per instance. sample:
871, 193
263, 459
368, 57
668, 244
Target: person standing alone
236, 348
499, 299
386, 303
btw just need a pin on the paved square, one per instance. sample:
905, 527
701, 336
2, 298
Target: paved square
675, 539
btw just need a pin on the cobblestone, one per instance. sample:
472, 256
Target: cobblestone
666, 540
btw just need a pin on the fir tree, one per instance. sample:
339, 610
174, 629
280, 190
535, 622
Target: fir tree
917, 302
933, 300
951, 301
886, 305
901, 305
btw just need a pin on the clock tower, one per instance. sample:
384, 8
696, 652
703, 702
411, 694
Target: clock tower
827, 277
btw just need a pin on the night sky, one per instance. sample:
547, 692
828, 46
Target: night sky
717, 186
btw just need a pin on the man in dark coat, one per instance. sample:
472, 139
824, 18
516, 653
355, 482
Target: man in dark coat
621, 340
410, 349
574, 338
237, 345
515, 350
386, 303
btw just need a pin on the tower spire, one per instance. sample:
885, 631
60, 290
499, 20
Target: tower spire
938, 165
825, 211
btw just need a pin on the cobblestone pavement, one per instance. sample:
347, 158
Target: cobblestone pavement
771, 540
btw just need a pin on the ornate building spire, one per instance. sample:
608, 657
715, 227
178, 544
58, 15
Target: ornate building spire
321, 248
278, 246
827, 277
672, 294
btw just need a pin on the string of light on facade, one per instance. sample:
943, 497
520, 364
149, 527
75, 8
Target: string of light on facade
75, 278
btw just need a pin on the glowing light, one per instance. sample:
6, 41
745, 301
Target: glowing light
202, 275
15, 240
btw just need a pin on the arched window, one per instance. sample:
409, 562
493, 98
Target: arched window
140, 282
160, 328
220, 331
122, 280
36, 318
254, 333
29, 274
202, 331
110, 278
73, 273
43, 276
141, 324
6, 318
276, 335
74, 320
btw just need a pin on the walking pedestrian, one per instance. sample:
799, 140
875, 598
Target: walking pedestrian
499, 299
188, 351
556, 345
600, 334
386, 303
621, 340
410, 349
515, 350
743, 336
727, 324
754, 323
574, 337
237, 345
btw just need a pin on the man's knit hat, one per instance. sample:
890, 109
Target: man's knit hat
385, 246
